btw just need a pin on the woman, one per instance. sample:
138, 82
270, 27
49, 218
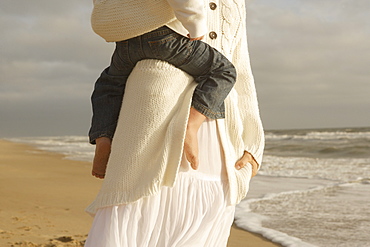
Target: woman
151, 196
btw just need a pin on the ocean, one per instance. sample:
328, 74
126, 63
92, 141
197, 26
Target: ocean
313, 188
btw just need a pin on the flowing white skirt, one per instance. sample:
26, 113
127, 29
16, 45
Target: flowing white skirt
192, 213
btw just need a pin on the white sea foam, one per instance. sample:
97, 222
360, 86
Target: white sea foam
74, 147
306, 214
247, 219
332, 169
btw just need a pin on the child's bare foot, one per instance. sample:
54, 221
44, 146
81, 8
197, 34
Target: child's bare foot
102, 152
191, 137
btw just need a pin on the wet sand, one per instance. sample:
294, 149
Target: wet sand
43, 197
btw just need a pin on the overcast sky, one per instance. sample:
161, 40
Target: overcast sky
310, 59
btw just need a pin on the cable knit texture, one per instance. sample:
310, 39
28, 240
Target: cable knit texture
147, 147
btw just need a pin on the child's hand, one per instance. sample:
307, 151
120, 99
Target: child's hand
199, 38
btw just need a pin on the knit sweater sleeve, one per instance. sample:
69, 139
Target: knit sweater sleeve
191, 14
252, 131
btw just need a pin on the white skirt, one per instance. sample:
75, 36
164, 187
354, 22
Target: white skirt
193, 213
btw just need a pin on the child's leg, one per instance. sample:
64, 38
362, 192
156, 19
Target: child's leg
216, 80
215, 75
106, 103
102, 152
191, 139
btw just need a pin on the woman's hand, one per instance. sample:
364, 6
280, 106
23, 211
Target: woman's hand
243, 161
198, 38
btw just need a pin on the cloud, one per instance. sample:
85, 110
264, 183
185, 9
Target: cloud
309, 58
310, 55
48, 51
49, 61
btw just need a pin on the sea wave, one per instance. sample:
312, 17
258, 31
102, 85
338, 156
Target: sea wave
319, 144
330, 134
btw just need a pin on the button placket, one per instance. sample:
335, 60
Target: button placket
213, 35
212, 5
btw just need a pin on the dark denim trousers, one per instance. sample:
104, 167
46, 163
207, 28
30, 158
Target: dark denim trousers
213, 72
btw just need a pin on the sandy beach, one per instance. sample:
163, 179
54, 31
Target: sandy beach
44, 197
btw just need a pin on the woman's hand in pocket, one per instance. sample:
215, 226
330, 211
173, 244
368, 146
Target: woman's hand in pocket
244, 160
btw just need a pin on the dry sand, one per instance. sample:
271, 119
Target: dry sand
43, 198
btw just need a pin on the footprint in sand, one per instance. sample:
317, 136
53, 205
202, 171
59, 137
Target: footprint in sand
65, 239
5, 234
26, 228
36, 226
15, 218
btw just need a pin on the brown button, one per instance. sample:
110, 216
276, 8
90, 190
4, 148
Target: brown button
213, 35
212, 5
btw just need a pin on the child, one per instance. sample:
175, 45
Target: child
213, 72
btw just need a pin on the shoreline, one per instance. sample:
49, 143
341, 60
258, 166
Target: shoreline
44, 197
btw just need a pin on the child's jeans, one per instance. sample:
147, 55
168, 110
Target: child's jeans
213, 72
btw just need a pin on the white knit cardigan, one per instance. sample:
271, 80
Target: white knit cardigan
147, 146
117, 20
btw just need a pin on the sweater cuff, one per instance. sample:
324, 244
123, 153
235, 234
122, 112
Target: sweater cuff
196, 29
